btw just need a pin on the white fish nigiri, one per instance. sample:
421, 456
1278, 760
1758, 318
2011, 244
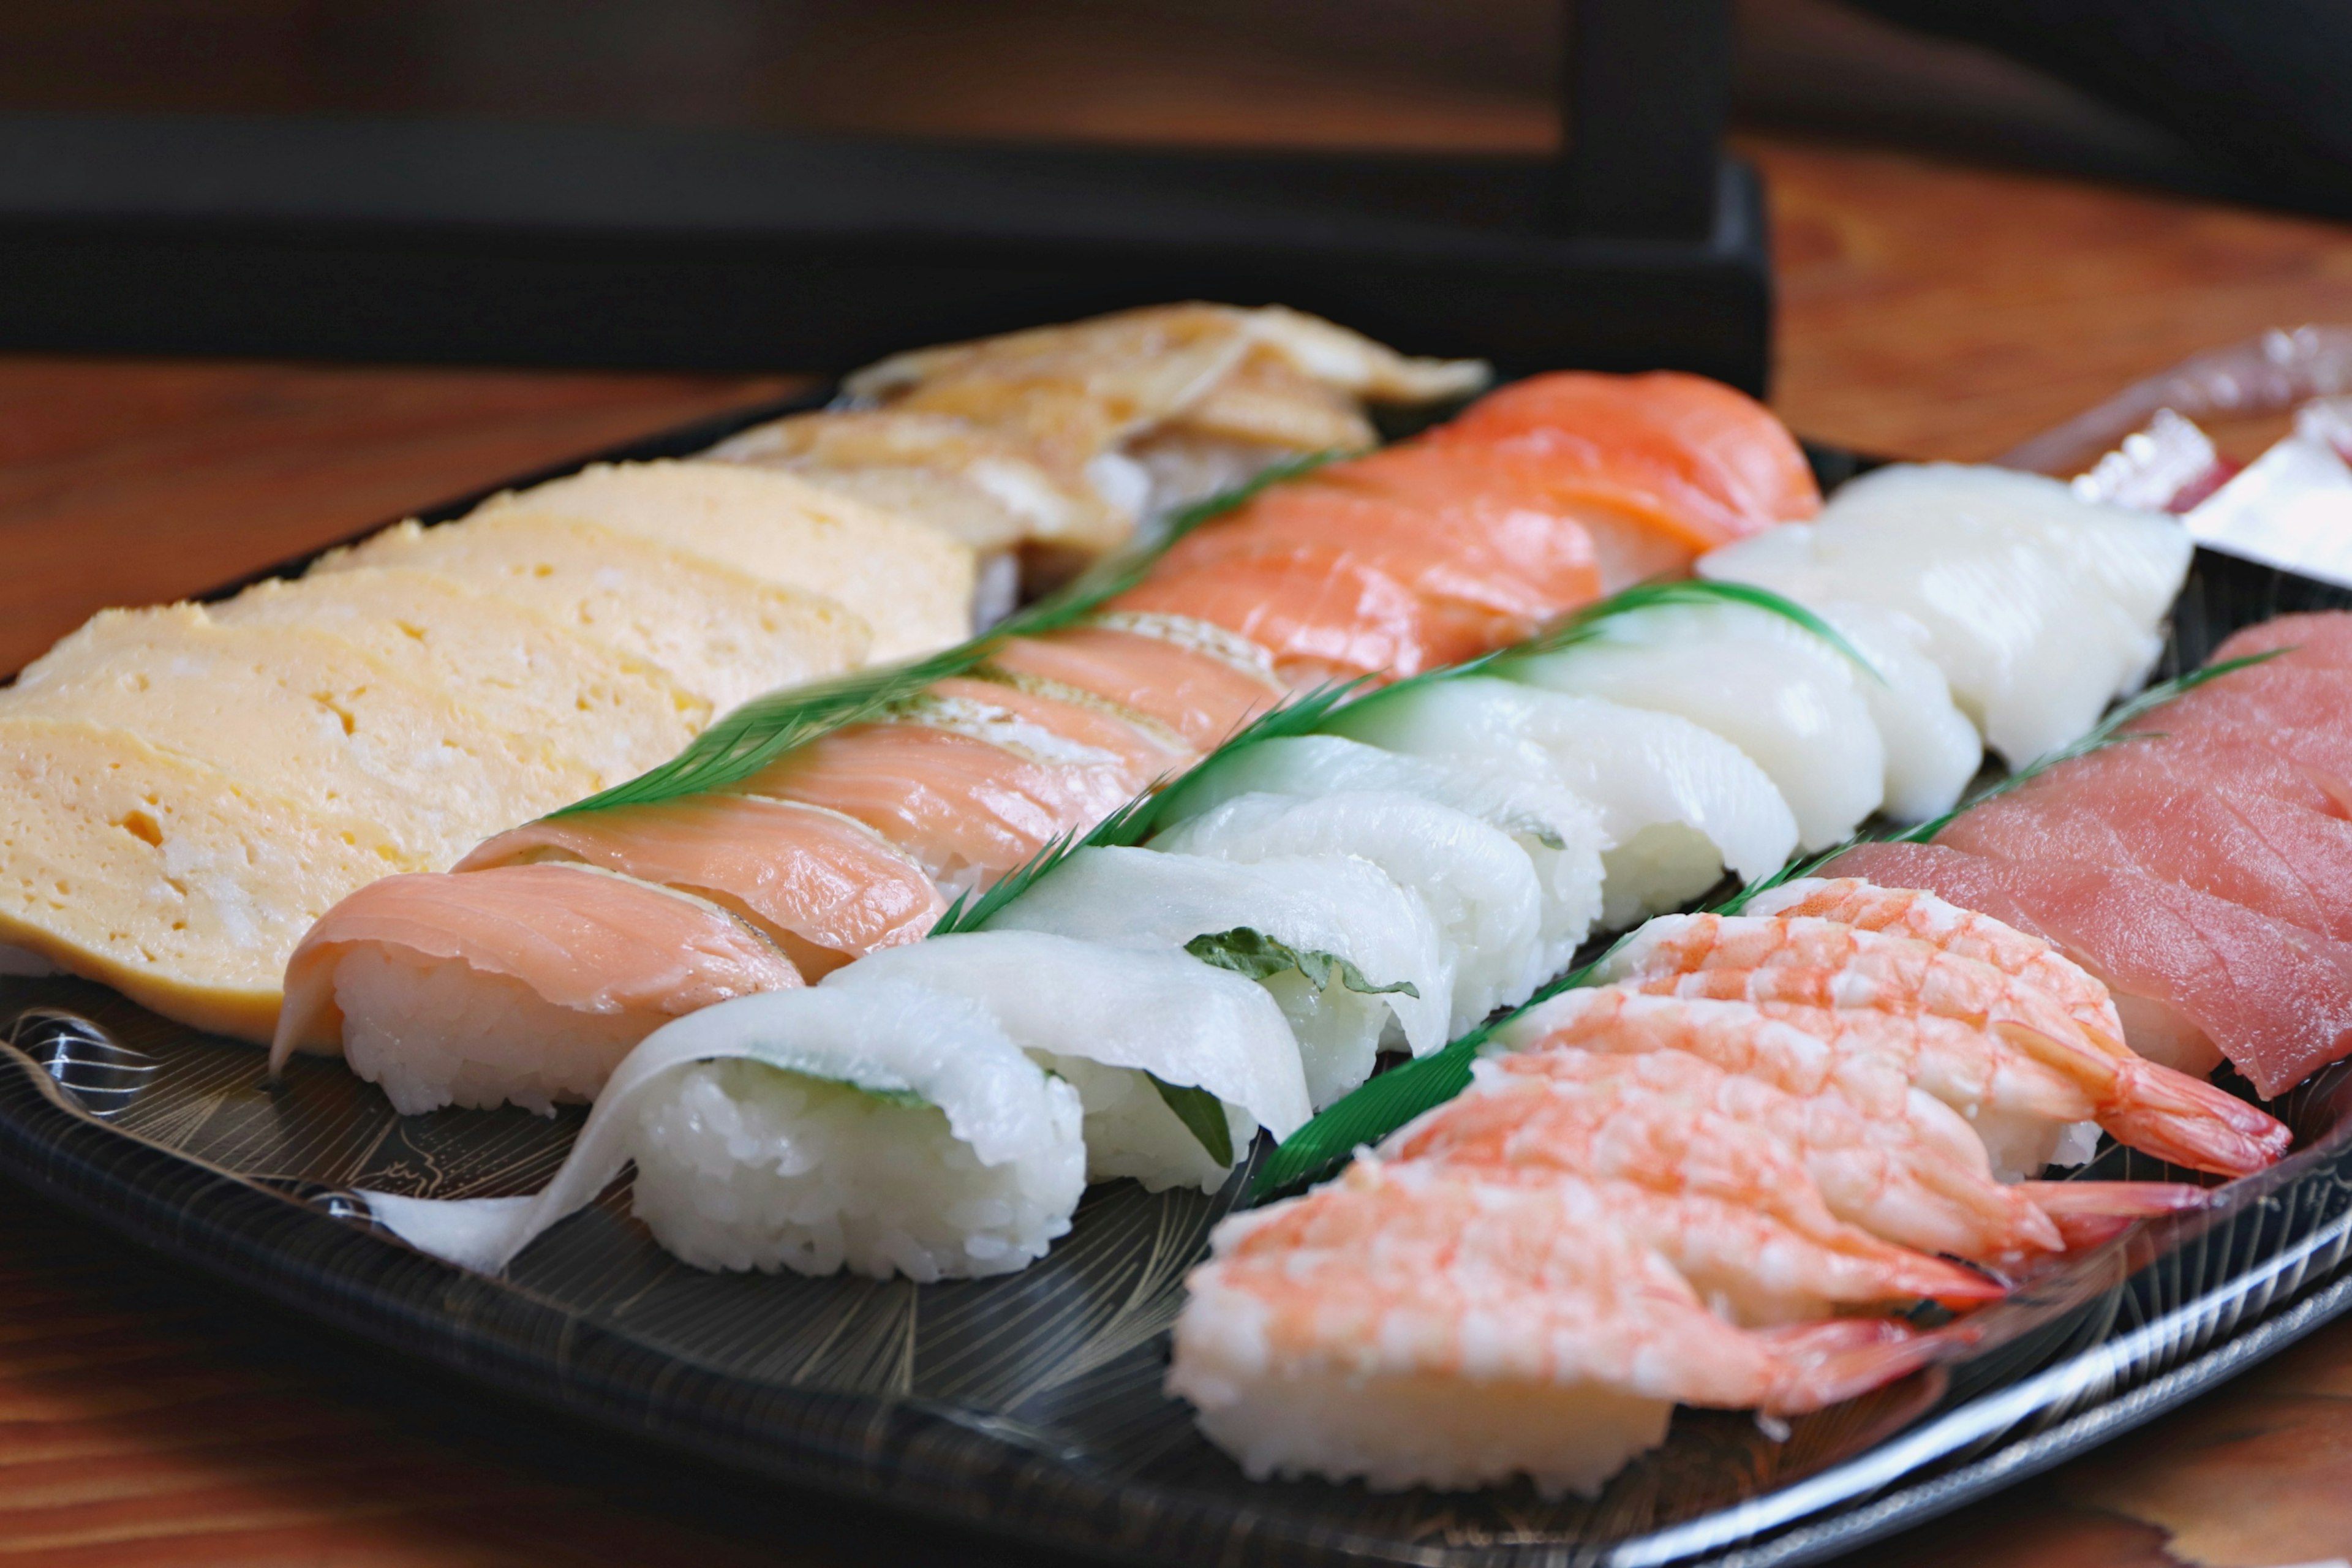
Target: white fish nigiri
1477, 884
2038, 607
1932, 750
1336, 906
1110, 1021
884, 1128
1782, 694
1559, 831
1679, 803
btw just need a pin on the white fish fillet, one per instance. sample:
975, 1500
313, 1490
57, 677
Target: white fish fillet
1559, 831
1781, 694
1679, 803
2038, 608
896, 1039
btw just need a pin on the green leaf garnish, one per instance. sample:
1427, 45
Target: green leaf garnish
1203, 1116
756, 734
887, 1087
1253, 955
1592, 621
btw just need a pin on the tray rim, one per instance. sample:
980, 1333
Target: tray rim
255, 1239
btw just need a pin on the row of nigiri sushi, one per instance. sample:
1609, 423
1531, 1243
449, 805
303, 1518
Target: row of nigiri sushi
964, 780
1616, 771
1394, 893
1707, 1180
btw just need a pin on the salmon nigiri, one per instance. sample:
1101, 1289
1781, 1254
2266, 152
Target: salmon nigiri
1495, 562
967, 806
823, 887
1324, 611
1200, 681
1690, 458
526, 983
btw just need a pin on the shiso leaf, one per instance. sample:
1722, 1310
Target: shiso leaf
752, 736
1393, 1099
1592, 621
1254, 956
1203, 1116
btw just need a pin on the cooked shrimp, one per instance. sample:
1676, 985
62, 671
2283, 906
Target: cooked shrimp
1419, 1325
1673, 1122
1823, 963
2015, 1107
1947, 928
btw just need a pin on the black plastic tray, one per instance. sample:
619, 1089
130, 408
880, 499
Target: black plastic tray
1029, 1405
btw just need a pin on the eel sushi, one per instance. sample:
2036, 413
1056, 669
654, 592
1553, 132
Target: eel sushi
526, 983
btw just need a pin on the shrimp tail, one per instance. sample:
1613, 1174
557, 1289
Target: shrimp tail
2160, 1110
2191, 1122
2088, 1213
1949, 1284
1818, 1364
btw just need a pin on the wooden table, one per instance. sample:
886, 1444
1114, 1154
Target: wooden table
1927, 311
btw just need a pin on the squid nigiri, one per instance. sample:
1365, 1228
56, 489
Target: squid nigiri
2038, 608
1479, 886
527, 983
1350, 956
1131, 1031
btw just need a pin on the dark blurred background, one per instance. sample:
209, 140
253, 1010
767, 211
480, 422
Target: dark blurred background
2181, 93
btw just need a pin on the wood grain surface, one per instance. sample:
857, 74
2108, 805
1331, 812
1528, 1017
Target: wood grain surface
146, 1421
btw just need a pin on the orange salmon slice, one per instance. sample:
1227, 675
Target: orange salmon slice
826, 889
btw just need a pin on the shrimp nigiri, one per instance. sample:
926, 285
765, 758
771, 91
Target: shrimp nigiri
1822, 963
526, 983
2018, 1108
1672, 1121
1424, 1325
